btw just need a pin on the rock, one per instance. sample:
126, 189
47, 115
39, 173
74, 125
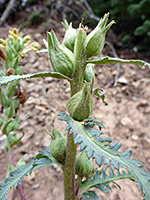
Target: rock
35, 186
38, 36
126, 121
123, 80
146, 143
135, 137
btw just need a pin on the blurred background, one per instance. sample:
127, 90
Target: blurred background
132, 17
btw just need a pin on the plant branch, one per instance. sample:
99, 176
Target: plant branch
78, 184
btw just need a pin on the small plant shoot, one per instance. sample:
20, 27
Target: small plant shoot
98, 161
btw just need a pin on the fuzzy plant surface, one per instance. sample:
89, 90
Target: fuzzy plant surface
74, 60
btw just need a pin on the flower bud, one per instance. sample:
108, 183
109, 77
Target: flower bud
26, 38
70, 35
58, 146
10, 71
61, 58
2, 42
96, 39
84, 166
80, 105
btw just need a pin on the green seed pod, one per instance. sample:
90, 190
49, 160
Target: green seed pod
96, 39
61, 58
89, 74
80, 105
70, 35
84, 166
58, 146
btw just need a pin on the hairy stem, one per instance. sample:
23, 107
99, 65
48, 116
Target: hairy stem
69, 172
76, 86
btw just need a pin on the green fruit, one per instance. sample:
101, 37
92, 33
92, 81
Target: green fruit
70, 35
80, 105
96, 39
89, 74
61, 58
58, 146
84, 166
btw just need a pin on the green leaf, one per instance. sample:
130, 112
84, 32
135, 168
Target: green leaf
107, 60
97, 92
100, 180
7, 79
90, 195
16, 141
104, 151
16, 176
42, 51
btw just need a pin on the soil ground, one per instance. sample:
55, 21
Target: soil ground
126, 118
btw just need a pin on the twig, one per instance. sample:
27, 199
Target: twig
118, 64
78, 184
7, 11
91, 15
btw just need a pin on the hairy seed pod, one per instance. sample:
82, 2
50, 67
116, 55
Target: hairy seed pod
84, 166
89, 74
61, 58
58, 146
96, 39
70, 35
80, 105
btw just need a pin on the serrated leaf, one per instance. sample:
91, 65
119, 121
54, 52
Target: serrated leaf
94, 121
100, 95
90, 195
41, 160
103, 151
7, 79
108, 60
100, 180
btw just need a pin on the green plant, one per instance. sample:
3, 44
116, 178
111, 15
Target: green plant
36, 17
133, 14
12, 50
77, 66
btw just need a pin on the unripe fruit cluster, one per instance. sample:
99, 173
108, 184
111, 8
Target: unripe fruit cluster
70, 59
84, 166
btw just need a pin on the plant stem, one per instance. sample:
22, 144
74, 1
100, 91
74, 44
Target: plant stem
76, 86
69, 170
19, 186
78, 184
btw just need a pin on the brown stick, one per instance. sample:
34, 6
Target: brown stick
7, 12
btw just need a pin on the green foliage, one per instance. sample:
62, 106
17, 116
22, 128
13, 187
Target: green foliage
101, 181
132, 17
16, 176
107, 59
6, 79
104, 151
36, 17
